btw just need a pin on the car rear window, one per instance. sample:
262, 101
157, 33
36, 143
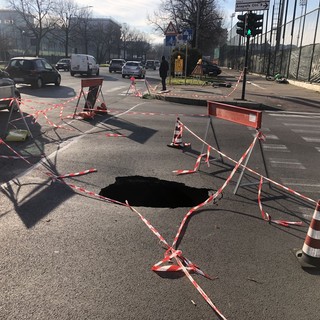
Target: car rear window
132, 64
27, 64
116, 61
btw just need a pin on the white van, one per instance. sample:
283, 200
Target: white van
83, 64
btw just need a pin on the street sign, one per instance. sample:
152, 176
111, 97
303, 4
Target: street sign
251, 5
171, 30
171, 41
187, 35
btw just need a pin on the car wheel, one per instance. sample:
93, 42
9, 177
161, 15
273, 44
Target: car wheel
38, 84
58, 81
71, 74
97, 72
123, 76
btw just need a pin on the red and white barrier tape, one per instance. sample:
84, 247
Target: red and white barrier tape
177, 254
253, 171
216, 194
76, 174
15, 152
267, 217
195, 169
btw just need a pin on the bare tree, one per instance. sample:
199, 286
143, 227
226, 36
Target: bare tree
82, 27
202, 16
126, 34
65, 10
38, 15
105, 38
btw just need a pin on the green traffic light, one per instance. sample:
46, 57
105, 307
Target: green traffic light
249, 32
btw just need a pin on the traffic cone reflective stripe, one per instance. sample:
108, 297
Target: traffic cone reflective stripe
309, 256
311, 245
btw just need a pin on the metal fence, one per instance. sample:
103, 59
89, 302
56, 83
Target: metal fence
290, 46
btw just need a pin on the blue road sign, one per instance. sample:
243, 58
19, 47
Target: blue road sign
187, 35
171, 41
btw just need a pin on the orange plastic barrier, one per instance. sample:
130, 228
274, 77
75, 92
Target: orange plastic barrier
247, 117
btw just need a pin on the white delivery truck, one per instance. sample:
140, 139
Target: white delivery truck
83, 64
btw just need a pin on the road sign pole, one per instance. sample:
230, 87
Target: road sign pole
245, 70
186, 63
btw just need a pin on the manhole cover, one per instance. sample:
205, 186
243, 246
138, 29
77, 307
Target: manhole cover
152, 192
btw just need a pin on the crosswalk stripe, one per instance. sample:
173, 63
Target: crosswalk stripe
311, 139
286, 163
308, 125
306, 131
275, 147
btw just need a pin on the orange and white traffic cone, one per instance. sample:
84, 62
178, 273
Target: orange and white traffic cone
177, 136
309, 256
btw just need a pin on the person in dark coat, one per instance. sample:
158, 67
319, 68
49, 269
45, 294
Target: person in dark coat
163, 72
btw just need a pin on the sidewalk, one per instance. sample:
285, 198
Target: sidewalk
259, 93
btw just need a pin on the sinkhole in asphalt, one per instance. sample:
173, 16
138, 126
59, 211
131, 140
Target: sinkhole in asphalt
152, 192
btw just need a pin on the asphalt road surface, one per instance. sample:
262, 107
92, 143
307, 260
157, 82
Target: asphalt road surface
68, 254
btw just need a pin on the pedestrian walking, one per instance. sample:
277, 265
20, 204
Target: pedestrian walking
163, 72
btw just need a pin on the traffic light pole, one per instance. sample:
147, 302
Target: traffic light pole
245, 70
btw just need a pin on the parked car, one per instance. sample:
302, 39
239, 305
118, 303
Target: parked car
150, 64
133, 68
8, 90
157, 63
210, 69
116, 65
33, 70
63, 64
83, 64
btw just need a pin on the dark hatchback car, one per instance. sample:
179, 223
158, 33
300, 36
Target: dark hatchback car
33, 70
210, 69
116, 65
63, 64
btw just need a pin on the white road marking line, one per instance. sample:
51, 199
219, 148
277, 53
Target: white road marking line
303, 125
306, 131
307, 213
293, 112
117, 88
303, 183
318, 149
311, 139
286, 163
275, 147
256, 85
271, 137
295, 115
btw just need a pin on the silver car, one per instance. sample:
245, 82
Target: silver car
133, 68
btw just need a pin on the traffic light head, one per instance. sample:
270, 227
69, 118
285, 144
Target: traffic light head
242, 24
254, 24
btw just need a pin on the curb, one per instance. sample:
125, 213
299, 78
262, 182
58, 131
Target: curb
203, 102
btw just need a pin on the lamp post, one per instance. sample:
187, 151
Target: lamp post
232, 16
197, 23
